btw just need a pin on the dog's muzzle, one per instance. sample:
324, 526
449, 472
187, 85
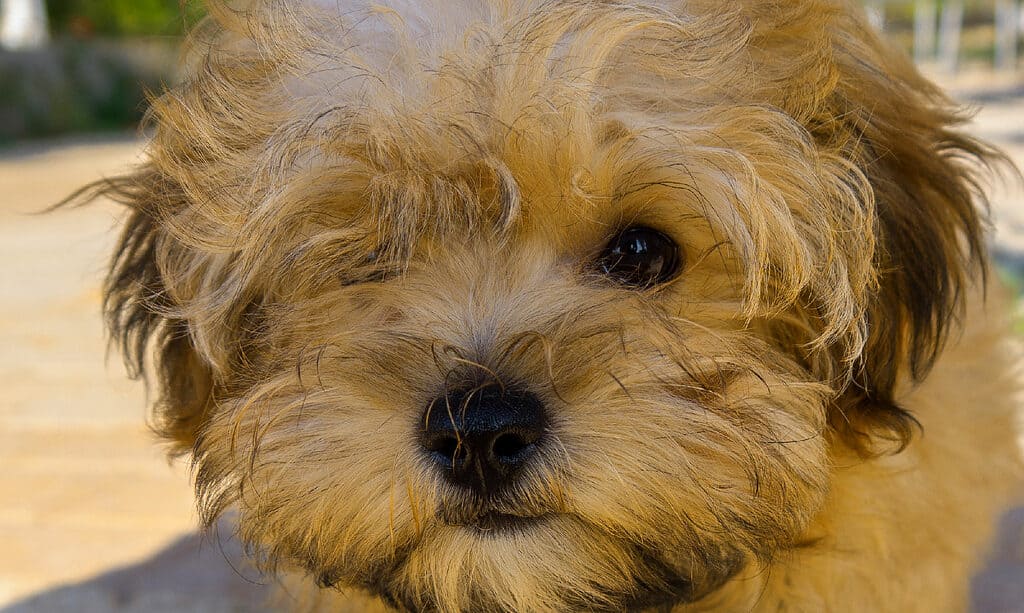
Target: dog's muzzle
481, 437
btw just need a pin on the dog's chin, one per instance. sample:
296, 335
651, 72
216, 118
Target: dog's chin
658, 580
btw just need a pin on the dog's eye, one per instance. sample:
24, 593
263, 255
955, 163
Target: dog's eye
640, 257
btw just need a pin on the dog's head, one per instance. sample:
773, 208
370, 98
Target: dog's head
524, 305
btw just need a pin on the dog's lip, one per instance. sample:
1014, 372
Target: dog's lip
496, 522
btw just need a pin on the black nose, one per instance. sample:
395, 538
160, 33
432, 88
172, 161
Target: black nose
480, 437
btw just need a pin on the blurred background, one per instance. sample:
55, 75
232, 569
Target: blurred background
92, 516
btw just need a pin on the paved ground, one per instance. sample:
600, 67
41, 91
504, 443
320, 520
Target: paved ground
83, 488
92, 518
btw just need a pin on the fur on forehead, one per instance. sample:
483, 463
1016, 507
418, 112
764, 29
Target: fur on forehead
315, 135
524, 118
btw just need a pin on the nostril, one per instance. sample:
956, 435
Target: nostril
446, 447
509, 446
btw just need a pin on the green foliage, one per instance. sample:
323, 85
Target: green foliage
123, 17
105, 55
74, 86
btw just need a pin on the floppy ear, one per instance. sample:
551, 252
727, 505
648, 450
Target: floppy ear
139, 311
900, 130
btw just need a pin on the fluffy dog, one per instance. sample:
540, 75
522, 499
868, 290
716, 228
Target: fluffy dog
520, 305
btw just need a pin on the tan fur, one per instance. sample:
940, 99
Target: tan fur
349, 210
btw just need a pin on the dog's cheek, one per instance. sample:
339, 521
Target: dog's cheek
753, 474
714, 439
314, 483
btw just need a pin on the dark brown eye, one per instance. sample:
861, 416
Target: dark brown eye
640, 257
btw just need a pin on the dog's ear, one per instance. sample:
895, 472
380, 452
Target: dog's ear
901, 132
183, 314
140, 312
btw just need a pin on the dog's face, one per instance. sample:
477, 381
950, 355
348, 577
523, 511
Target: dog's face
544, 306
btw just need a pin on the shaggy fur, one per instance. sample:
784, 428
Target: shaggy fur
350, 208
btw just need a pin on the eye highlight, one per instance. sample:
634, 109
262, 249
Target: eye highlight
640, 257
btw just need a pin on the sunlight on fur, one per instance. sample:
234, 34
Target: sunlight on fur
353, 213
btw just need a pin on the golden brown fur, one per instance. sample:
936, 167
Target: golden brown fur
347, 211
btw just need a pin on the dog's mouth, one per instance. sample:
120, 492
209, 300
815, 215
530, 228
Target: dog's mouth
498, 523
494, 515
491, 521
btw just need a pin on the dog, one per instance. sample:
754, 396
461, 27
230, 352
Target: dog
524, 305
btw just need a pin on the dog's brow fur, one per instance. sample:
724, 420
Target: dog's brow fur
350, 210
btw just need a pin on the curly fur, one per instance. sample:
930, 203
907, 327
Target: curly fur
350, 208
